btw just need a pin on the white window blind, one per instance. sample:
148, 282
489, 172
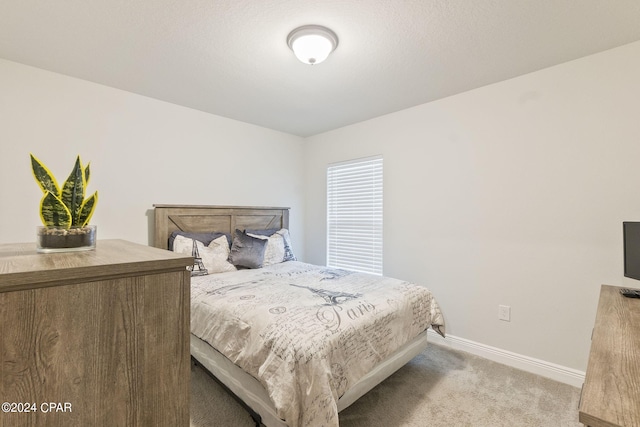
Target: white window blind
354, 215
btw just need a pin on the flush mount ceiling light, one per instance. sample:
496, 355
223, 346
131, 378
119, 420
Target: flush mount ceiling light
312, 43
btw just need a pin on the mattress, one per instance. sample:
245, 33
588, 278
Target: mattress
308, 334
253, 395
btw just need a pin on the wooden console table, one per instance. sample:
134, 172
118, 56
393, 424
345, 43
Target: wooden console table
611, 391
95, 338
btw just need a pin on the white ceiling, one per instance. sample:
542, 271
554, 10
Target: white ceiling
230, 57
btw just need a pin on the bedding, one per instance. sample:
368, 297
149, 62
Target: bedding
214, 256
307, 333
205, 238
247, 251
278, 245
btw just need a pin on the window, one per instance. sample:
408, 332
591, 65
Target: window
354, 215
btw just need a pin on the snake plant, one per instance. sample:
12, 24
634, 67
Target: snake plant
65, 206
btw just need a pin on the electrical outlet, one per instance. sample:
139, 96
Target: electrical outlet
504, 313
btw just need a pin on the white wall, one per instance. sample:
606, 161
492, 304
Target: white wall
510, 194
142, 151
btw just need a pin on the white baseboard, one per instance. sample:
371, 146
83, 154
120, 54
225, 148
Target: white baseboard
536, 366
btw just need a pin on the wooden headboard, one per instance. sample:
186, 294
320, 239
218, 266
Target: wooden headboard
224, 219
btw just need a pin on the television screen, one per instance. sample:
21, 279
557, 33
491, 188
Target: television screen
631, 236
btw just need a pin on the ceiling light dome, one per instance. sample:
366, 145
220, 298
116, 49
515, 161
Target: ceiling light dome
312, 44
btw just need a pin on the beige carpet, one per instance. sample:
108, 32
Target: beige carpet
439, 388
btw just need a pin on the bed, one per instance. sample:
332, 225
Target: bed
292, 362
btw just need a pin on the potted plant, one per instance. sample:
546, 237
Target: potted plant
64, 211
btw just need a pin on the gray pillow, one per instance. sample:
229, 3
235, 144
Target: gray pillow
288, 252
247, 251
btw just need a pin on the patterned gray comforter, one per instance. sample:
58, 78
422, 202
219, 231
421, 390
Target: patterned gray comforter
308, 332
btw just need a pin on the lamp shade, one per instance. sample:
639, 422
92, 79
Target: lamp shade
312, 44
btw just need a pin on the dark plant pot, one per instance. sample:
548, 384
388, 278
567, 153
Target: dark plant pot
56, 239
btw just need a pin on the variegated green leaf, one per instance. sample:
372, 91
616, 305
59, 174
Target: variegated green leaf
73, 191
87, 173
44, 177
53, 212
86, 211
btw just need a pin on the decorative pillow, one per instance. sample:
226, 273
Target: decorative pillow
274, 251
288, 251
278, 245
205, 238
247, 251
214, 256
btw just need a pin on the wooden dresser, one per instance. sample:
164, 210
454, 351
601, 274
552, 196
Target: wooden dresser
95, 338
611, 391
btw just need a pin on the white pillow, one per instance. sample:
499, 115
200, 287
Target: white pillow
214, 257
288, 251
